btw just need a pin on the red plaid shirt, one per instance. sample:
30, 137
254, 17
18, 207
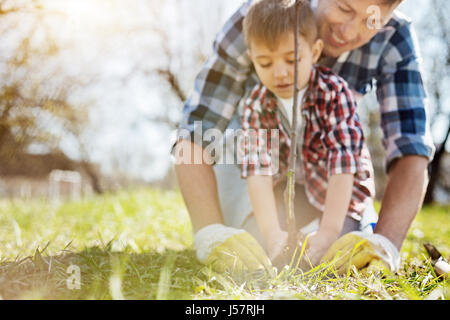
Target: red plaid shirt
333, 140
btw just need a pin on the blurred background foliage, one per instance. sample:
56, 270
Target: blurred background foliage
97, 86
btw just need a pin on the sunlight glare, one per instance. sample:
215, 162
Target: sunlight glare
88, 14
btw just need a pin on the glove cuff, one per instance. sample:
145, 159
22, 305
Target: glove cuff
209, 237
387, 251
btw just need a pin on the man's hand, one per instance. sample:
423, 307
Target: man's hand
230, 250
198, 185
362, 250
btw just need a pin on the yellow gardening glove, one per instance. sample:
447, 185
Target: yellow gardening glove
230, 249
365, 251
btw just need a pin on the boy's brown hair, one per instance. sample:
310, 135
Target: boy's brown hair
392, 1
267, 20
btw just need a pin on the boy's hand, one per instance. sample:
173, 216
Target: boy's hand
276, 244
318, 243
230, 249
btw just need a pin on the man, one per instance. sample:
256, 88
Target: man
367, 44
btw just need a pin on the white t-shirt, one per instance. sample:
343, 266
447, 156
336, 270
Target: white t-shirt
288, 104
287, 108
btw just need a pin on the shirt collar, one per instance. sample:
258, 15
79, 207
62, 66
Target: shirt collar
309, 99
270, 100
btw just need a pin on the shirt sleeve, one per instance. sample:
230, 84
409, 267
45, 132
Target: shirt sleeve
219, 85
343, 137
259, 140
402, 98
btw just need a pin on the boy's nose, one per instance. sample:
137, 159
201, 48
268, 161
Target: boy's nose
280, 71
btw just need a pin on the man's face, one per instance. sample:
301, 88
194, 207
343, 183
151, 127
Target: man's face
345, 25
275, 67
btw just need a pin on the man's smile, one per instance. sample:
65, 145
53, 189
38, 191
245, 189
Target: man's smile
335, 40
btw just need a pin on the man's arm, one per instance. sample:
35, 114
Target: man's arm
224, 248
198, 185
403, 197
407, 136
218, 88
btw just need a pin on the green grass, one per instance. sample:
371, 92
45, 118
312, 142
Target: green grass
138, 245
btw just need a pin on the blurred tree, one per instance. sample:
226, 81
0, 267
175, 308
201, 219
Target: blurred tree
34, 91
181, 38
184, 35
436, 27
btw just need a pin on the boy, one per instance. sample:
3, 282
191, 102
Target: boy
334, 168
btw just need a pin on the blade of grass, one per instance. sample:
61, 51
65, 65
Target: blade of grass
165, 277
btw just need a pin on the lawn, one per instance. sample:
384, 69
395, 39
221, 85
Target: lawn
138, 245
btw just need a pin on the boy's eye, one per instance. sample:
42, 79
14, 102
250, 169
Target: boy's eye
265, 65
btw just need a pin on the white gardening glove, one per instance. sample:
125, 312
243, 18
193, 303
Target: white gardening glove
230, 249
362, 250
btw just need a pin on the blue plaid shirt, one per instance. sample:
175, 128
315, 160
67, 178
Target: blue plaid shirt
390, 63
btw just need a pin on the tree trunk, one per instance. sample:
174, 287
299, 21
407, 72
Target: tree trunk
96, 185
434, 170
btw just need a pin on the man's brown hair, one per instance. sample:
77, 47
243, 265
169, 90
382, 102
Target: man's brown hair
267, 20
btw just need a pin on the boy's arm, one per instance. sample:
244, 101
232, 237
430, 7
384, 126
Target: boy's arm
339, 192
338, 196
257, 166
343, 139
260, 189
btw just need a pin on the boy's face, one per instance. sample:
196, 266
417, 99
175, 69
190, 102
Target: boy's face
345, 25
275, 68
